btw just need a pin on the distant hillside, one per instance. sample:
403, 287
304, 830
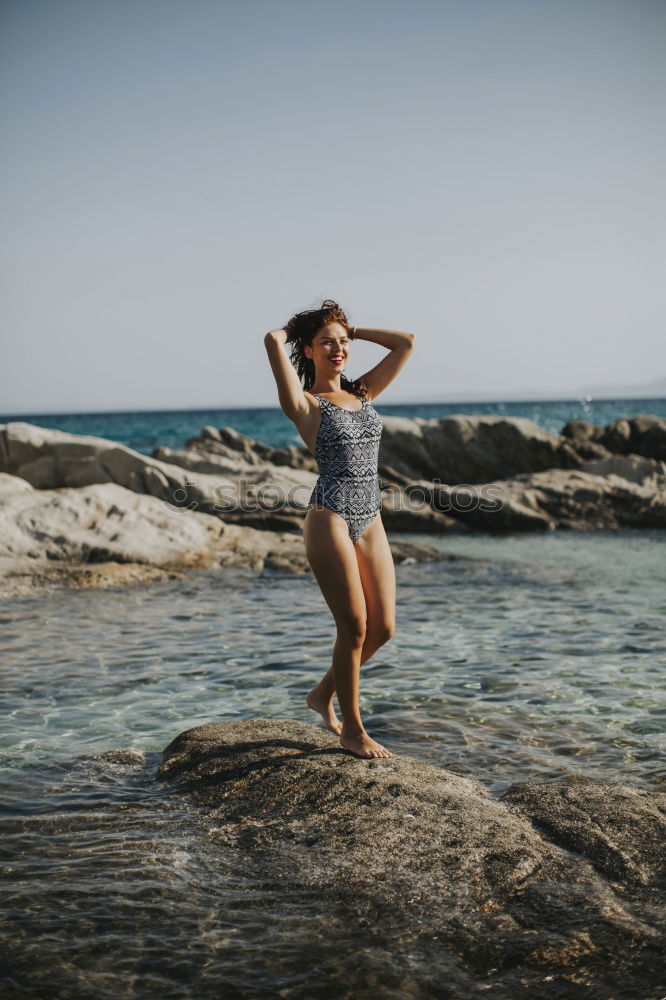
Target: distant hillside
647, 390
650, 390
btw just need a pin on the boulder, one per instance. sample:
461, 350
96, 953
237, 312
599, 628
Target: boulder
575, 499
471, 450
542, 501
244, 482
106, 535
12, 485
617, 828
642, 435
263, 496
51, 459
102, 523
551, 885
225, 442
561, 498
457, 449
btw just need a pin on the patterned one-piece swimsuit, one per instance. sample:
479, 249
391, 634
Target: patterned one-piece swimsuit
347, 454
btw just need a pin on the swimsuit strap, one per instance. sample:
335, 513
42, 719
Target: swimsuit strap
335, 405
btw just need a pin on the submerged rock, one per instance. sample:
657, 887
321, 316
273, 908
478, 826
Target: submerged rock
451, 883
128, 756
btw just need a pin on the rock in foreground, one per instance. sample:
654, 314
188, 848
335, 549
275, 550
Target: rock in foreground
451, 885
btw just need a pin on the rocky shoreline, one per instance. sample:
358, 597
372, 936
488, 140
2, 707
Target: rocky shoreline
85, 511
551, 884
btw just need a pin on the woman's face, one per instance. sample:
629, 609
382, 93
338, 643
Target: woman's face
329, 349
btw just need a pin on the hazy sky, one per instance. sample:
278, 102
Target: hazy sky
180, 176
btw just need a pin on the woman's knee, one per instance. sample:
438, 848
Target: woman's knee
388, 631
382, 632
353, 629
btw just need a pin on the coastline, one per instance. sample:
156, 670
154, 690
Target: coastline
85, 511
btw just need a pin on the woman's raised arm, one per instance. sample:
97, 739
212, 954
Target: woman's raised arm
290, 391
400, 346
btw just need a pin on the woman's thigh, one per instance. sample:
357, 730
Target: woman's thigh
377, 572
330, 552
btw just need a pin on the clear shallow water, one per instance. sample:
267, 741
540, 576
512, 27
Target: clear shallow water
145, 430
545, 657
555, 641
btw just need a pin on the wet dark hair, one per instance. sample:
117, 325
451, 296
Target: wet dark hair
301, 329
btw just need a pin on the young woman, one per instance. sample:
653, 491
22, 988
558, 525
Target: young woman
345, 541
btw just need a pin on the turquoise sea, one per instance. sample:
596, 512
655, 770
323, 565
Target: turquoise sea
527, 658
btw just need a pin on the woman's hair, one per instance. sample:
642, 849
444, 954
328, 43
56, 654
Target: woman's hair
301, 329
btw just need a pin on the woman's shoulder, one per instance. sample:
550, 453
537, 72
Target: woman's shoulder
312, 400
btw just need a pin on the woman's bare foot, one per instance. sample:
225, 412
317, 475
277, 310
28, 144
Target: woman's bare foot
316, 701
363, 745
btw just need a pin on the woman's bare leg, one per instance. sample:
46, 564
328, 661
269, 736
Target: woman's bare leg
331, 555
377, 572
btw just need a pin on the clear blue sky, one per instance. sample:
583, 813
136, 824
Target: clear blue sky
180, 177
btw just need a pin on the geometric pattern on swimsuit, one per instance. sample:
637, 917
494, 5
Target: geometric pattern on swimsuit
347, 454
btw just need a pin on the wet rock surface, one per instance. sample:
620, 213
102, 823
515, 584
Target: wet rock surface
619, 829
553, 889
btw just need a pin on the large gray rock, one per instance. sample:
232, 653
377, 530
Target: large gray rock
619, 829
550, 886
501, 507
104, 523
244, 483
456, 449
541, 486
582, 500
461, 449
106, 535
50, 459
263, 496
228, 453
642, 435
542, 501
229, 445
12, 485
